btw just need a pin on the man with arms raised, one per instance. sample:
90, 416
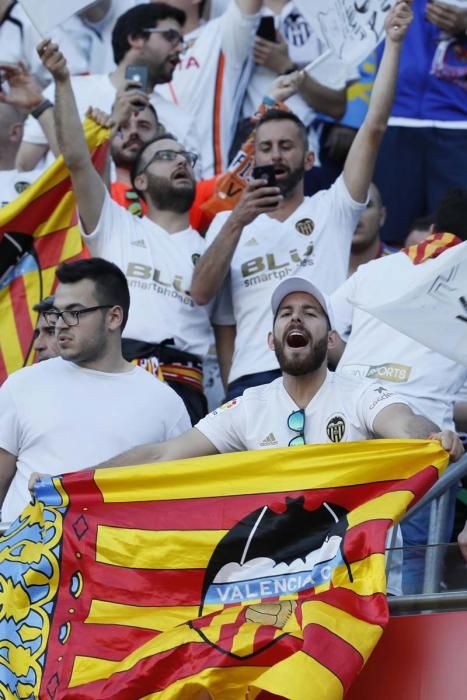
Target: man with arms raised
275, 231
72, 410
157, 253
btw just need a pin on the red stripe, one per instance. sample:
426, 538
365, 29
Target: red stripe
365, 539
217, 116
333, 652
159, 672
23, 323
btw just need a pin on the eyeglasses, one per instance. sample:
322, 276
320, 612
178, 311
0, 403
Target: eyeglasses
71, 316
171, 35
169, 154
296, 422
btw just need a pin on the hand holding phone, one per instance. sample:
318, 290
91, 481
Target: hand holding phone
265, 172
266, 28
137, 74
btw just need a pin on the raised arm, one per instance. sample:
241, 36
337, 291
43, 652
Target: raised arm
87, 185
360, 162
399, 421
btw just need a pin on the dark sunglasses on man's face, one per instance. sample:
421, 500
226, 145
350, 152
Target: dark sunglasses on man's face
296, 422
171, 35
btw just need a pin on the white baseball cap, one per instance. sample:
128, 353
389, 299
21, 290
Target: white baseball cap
299, 284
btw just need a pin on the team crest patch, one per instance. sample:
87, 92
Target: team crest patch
335, 428
305, 226
195, 257
21, 186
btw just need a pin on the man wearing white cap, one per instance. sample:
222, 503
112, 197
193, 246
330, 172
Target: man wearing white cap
308, 404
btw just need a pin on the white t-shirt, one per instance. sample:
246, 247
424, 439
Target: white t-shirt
428, 381
98, 91
314, 242
14, 182
211, 79
57, 417
159, 267
343, 410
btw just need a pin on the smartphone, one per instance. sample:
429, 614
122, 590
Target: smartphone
266, 28
265, 172
138, 74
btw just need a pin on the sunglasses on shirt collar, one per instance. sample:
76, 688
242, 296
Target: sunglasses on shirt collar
296, 422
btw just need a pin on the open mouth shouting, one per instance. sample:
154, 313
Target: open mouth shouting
297, 338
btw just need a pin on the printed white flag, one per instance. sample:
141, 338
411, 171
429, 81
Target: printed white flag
48, 14
433, 307
351, 29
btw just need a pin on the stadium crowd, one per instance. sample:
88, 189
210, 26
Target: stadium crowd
242, 204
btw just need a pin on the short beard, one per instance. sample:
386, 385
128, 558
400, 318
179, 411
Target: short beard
121, 160
296, 367
288, 185
166, 197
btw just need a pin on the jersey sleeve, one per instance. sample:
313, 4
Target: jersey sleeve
113, 229
224, 427
238, 34
10, 429
342, 309
346, 212
372, 400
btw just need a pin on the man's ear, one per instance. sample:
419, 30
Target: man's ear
135, 42
333, 340
271, 341
309, 160
141, 182
115, 318
382, 216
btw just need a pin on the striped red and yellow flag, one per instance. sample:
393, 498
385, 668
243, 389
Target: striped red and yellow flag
44, 219
431, 247
250, 575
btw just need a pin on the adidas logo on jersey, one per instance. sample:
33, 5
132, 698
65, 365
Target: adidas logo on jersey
252, 241
140, 243
269, 441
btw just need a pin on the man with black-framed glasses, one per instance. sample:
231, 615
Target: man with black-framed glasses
77, 407
167, 331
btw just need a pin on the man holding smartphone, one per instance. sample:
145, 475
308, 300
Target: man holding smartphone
147, 42
275, 232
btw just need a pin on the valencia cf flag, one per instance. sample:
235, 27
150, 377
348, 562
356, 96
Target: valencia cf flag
248, 575
38, 231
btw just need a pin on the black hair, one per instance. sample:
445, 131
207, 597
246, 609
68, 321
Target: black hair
423, 223
451, 213
201, 7
134, 21
280, 115
110, 283
44, 305
136, 166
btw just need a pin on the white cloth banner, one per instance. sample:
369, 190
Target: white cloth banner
350, 28
48, 14
429, 305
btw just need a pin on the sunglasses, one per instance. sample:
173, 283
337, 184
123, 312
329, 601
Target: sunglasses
171, 35
296, 422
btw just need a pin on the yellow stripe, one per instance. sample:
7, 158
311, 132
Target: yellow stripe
223, 683
11, 348
158, 619
146, 549
87, 669
392, 504
59, 218
268, 471
324, 685
73, 244
369, 576
361, 635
